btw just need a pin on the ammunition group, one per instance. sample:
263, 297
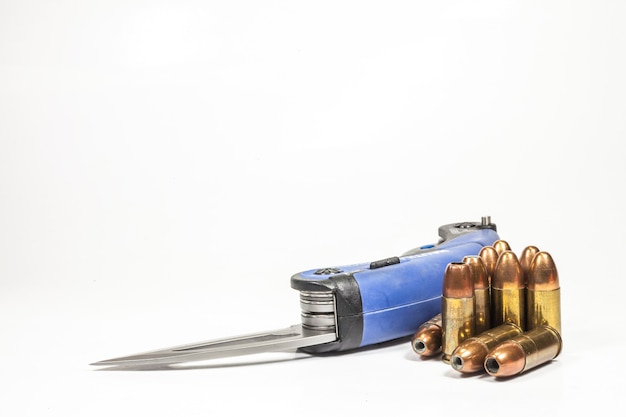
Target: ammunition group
500, 313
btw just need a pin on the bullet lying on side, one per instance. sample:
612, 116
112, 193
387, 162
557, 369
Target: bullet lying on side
523, 352
469, 356
427, 338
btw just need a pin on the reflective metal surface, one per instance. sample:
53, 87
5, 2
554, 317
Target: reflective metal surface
293, 337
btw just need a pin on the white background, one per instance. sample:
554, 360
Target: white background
166, 166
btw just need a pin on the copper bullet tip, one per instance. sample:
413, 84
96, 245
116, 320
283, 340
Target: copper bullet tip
506, 359
501, 246
427, 342
489, 255
457, 281
427, 339
542, 274
508, 272
469, 356
479, 272
526, 257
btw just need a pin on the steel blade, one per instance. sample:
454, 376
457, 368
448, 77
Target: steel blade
292, 337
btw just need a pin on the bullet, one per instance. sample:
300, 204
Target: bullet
427, 339
525, 259
501, 246
482, 293
524, 352
457, 307
469, 356
508, 292
489, 255
543, 293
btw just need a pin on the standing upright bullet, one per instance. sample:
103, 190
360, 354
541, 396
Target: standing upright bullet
524, 352
457, 307
501, 246
508, 291
427, 339
469, 356
543, 294
482, 293
526, 258
489, 255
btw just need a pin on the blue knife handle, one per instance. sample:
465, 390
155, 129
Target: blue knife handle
390, 298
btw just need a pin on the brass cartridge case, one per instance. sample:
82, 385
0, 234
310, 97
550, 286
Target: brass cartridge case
524, 352
457, 307
526, 258
501, 246
427, 339
543, 293
489, 255
482, 293
508, 293
469, 356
